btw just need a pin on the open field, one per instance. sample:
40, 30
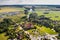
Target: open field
10, 9
51, 14
42, 30
3, 37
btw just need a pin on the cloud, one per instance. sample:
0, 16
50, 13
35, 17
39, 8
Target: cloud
13, 2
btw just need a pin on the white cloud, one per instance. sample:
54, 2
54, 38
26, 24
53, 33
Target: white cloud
11, 2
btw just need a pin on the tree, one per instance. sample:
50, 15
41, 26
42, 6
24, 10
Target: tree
5, 24
8, 21
11, 33
33, 16
26, 11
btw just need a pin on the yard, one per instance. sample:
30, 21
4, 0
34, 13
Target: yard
2, 37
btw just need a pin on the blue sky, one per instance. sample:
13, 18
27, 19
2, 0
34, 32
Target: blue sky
14, 2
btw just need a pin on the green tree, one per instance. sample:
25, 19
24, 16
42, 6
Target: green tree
4, 25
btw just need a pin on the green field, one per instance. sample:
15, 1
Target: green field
51, 14
43, 30
10, 9
3, 37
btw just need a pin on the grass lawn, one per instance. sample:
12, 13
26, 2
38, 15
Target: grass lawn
42, 30
46, 30
2, 37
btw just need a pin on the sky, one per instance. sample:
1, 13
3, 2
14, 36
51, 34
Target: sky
38, 2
